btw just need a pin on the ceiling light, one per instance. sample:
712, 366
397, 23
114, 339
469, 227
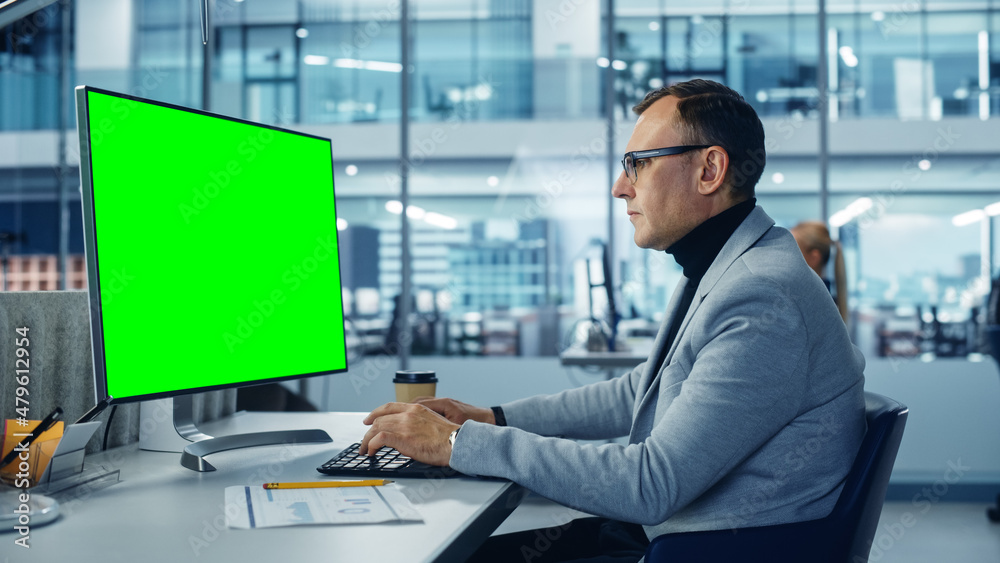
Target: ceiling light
847, 53
849, 213
368, 65
394, 206
351, 170
316, 60
483, 92
968, 218
439, 220
860, 205
381, 66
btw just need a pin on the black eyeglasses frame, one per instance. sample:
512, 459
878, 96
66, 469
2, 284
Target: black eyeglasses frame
630, 158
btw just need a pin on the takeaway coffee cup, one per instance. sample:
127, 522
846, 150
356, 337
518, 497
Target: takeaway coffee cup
411, 384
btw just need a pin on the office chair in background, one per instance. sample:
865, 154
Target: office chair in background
845, 536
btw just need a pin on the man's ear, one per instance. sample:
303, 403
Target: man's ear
714, 166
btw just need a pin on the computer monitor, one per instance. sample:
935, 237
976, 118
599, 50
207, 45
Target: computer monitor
212, 251
596, 284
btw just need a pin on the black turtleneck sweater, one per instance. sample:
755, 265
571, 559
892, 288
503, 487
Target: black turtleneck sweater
696, 251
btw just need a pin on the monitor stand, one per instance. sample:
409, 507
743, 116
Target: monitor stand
167, 425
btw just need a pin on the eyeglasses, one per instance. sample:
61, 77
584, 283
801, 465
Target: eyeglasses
628, 162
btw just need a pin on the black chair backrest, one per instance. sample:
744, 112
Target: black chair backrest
844, 536
859, 507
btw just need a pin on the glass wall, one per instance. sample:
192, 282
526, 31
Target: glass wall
322, 61
339, 62
507, 243
916, 280
168, 39
29, 71
908, 60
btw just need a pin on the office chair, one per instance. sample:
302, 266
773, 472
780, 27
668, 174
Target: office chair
845, 536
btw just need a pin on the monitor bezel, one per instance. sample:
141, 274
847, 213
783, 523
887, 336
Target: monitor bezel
92, 258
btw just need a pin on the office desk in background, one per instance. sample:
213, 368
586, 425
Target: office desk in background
162, 512
604, 360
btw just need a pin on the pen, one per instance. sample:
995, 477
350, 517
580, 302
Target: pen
321, 484
44, 425
96, 410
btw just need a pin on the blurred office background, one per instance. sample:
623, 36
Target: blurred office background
509, 173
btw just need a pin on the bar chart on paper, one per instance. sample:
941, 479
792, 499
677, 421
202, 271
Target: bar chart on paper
256, 507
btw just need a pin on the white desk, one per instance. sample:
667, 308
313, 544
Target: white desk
162, 512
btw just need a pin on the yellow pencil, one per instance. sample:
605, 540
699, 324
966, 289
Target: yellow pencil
320, 484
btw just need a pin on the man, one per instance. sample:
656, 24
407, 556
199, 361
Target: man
750, 408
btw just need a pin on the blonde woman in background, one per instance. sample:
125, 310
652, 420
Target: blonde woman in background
815, 243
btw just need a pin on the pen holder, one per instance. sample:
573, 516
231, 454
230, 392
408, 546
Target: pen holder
27, 468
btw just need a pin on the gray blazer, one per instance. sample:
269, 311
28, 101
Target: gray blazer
754, 418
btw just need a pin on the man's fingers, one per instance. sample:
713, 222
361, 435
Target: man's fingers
415, 430
457, 411
437, 405
363, 448
373, 444
386, 409
388, 425
380, 434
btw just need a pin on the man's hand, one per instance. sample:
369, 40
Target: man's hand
413, 429
457, 411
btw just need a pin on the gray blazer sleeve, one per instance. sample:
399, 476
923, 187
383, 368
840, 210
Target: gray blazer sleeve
598, 411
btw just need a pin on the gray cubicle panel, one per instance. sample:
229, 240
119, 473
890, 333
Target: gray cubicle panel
61, 367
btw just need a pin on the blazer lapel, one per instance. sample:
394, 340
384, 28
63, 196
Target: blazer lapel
651, 369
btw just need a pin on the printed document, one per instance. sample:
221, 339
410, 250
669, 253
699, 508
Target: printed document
256, 507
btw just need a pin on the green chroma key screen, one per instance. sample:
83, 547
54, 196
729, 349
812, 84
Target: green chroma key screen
214, 245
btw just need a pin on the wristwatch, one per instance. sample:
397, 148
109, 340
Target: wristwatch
453, 436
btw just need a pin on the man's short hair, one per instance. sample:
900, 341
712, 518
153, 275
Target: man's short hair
713, 114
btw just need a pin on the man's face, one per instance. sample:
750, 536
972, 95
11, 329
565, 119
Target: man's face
664, 203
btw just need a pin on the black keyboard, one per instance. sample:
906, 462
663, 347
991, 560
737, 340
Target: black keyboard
387, 462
